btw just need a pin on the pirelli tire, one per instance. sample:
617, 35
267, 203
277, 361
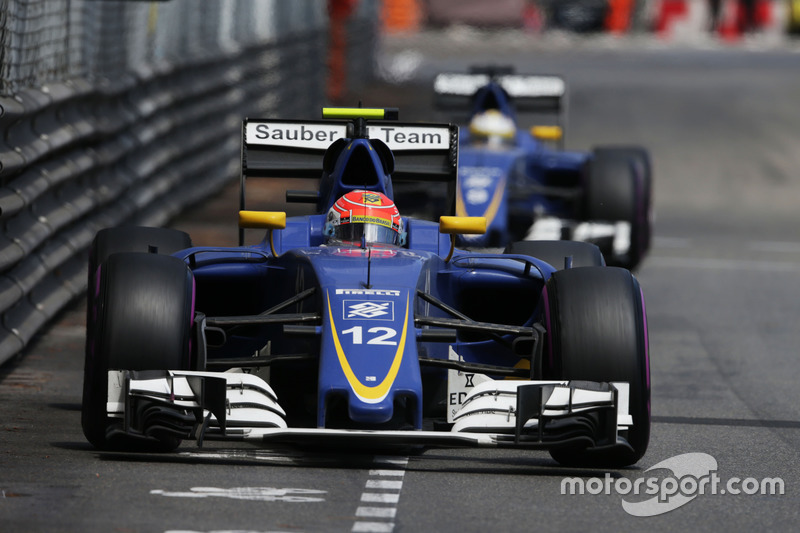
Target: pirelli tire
556, 252
118, 239
109, 241
640, 159
597, 331
619, 187
141, 320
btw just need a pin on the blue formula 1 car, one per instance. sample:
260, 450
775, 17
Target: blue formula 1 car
360, 326
526, 184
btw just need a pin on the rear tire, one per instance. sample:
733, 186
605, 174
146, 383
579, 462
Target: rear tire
555, 252
142, 320
619, 188
597, 331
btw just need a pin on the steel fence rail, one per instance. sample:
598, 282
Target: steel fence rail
127, 112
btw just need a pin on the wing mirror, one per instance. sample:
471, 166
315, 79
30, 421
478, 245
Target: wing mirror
547, 133
269, 220
460, 226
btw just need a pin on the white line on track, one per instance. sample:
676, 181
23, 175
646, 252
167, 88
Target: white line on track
376, 512
382, 484
374, 497
373, 527
382, 493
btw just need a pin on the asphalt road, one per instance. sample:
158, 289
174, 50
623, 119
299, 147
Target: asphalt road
722, 287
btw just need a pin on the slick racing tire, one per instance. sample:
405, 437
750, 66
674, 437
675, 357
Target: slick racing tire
619, 188
142, 320
109, 241
597, 331
640, 158
556, 252
134, 239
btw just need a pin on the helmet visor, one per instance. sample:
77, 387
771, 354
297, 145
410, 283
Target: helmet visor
372, 233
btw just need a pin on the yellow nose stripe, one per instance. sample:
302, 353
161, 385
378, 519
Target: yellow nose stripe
491, 209
366, 393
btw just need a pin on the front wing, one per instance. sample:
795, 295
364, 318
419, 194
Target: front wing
240, 406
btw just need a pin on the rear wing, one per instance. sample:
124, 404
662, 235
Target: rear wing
296, 148
532, 93
410, 152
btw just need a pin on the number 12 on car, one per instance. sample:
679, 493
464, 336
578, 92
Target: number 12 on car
377, 335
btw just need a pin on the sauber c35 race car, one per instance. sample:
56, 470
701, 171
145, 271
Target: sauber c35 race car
360, 326
523, 180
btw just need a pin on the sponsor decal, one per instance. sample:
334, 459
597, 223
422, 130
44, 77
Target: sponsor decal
376, 292
286, 134
517, 86
533, 86
459, 84
369, 220
398, 138
459, 385
475, 191
320, 136
368, 309
371, 198
354, 251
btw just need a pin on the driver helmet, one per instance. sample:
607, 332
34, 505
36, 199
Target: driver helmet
492, 127
366, 215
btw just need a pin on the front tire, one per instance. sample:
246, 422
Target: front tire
109, 241
597, 331
142, 320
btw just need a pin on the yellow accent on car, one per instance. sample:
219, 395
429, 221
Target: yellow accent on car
491, 210
262, 219
522, 363
378, 392
547, 133
462, 225
357, 112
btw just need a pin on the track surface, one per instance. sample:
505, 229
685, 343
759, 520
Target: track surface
722, 285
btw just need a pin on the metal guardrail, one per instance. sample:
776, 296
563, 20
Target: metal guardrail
137, 144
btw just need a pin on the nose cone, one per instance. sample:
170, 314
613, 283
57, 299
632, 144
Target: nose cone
369, 353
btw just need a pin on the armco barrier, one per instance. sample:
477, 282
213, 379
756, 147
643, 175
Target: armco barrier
84, 153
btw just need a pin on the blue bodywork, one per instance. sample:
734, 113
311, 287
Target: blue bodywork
528, 186
513, 184
306, 339
353, 324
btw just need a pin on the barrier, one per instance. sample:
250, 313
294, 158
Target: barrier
118, 113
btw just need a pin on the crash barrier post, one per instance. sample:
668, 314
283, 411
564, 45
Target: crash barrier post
99, 131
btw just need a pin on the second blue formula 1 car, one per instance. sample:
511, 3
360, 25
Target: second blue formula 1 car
358, 326
525, 183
